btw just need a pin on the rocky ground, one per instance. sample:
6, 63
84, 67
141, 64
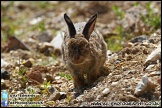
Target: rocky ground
31, 59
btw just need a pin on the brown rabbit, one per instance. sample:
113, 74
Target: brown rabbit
84, 51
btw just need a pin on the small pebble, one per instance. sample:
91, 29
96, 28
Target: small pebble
98, 97
57, 77
114, 83
105, 91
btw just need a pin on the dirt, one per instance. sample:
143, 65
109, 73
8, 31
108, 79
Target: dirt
36, 72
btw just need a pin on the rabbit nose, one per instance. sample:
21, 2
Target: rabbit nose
76, 50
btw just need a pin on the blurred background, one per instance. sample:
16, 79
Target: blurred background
117, 21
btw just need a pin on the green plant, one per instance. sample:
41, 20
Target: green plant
69, 97
46, 85
66, 75
31, 91
11, 27
42, 5
39, 26
136, 4
22, 71
152, 19
118, 11
120, 15
54, 58
114, 42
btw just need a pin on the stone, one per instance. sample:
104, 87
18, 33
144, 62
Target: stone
57, 42
155, 55
144, 86
139, 38
114, 83
106, 91
3, 63
55, 96
4, 74
28, 63
49, 77
15, 43
35, 77
45, 37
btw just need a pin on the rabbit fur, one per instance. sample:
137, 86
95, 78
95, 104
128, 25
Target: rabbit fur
84, 51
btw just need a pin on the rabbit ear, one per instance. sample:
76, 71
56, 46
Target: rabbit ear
71, 27
89, 27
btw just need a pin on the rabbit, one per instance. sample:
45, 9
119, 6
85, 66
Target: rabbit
84, 51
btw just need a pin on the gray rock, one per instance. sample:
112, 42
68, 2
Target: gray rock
57, 41
155, 54
3, 63
98, 97
139, 38
51, 90
45, 37
150, 67
154, 73
54, 96
106, 91
144, 86
114, 83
